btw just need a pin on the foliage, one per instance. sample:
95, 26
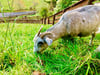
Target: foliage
96, 1
8, 5
43, 9
61, 4
52, 3
62, 57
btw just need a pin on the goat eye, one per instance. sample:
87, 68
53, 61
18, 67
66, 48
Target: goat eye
40, 43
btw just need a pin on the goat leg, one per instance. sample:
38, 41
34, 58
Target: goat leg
91, 41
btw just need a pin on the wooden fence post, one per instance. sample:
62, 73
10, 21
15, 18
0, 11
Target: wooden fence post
44, 20
48, 20
90, 2
53, 19
25, 17
64, 11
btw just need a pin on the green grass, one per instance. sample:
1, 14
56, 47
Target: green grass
63, 57
7, 5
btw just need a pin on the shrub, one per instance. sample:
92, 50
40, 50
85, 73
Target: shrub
61, 4
43, 9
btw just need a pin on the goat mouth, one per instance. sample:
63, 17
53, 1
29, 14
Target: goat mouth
36, 52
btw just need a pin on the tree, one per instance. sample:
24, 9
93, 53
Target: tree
52, 3
61, 4
43, 9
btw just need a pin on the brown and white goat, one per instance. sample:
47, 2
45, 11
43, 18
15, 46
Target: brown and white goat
81, 22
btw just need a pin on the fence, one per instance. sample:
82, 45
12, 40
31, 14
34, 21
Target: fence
51, 19
54, 18
22, 19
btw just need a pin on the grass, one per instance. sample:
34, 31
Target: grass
62, 57
9, 5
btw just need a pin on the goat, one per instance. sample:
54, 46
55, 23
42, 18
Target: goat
82, 21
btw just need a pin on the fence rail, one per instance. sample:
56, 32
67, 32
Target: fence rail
51, 19
21, 21
55, 18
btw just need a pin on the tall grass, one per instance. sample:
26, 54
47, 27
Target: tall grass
62, 57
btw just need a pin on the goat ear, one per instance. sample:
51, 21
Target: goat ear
48, 41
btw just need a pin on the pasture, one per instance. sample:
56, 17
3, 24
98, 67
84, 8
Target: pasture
11, 5
62, 57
